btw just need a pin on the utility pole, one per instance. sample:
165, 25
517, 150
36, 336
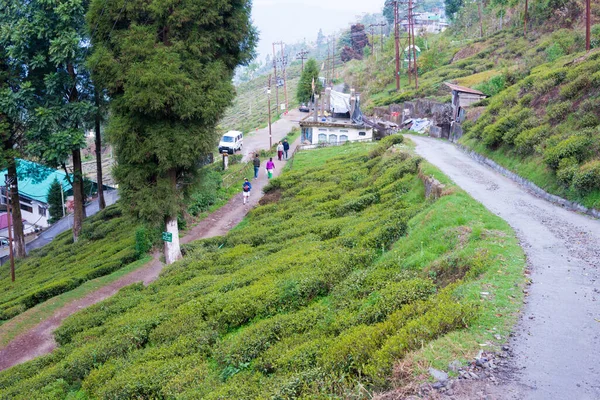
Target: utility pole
525, 18
302, 56
269, 109
372, 38
327, 77
276, 81
372, 26
414, 48
480, 19
588, 24
283, 67
9, 181
408, 53
397, 38
333, 60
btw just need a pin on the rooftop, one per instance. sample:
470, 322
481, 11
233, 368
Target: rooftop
463, 89
35, 179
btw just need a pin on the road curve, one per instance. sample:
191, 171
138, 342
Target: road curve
556, 344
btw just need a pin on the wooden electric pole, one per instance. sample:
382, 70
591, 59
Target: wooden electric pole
283, 68
397, 38
333, 61
9, 185
302, 56
525, 18
269, 110
276, 80
588, 24
414, 48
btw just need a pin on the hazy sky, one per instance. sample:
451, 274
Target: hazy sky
294, 20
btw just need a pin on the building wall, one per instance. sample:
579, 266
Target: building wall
340, 135
33, 211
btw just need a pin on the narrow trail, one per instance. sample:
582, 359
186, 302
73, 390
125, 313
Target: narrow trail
556, 344
40, 339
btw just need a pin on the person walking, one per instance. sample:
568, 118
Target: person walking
270, 167
286, 147
246, 188
256, 162
279, 151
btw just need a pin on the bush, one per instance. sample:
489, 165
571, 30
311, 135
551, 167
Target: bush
577, 147
587, 179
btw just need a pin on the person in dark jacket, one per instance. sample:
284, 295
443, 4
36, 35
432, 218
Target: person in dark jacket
246, 188
286, 147
256, 162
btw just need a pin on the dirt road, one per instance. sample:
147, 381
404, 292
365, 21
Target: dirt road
556, 344
40, 339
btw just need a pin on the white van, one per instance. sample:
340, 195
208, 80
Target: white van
231, 142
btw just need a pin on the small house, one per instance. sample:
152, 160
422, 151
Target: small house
336, 120
463, 97
34, 181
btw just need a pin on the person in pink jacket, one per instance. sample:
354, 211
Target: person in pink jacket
270, 167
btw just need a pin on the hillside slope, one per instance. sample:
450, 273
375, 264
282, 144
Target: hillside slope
319, 292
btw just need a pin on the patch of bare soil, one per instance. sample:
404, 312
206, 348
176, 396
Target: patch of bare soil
271, 197
467, 52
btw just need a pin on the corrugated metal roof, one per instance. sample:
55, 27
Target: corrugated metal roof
35, 179
463, 89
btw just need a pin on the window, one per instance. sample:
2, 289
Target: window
26, 208
42, 211
322, 138
332, 138
227, 139
343, 138
362, 133
25, 200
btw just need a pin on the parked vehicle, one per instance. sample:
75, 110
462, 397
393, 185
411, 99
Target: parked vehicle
231, 142
303, 108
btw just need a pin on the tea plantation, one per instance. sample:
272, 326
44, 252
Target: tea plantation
106, 245
346, 270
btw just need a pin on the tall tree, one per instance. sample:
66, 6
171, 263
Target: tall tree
309, 75
48, 38
16, 96
168, 68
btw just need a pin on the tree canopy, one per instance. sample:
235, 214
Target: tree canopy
168, 68
311, 73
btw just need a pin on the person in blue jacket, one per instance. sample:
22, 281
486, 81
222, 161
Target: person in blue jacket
246, 188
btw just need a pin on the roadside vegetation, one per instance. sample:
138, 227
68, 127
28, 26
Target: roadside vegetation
346, 271
541, 118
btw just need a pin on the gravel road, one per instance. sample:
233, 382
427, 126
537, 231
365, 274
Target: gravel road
556, 344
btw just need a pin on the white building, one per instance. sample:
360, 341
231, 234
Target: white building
336, 121
34, 181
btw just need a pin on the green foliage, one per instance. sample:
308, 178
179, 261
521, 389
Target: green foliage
492, 86
301, 297
170, 75
587, 178
55, 201
310, 74
107, 243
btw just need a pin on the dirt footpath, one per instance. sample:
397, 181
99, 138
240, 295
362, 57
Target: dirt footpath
556, 344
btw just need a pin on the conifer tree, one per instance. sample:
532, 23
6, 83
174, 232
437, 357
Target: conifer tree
309, 75
55, 201
168, 67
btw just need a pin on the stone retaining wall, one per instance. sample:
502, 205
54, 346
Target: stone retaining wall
433, 188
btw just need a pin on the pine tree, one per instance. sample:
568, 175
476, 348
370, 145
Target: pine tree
55, 198
168, 68
311, 72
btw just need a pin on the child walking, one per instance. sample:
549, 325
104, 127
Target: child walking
246, 188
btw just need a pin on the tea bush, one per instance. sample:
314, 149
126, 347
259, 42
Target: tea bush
107, 243
315, 295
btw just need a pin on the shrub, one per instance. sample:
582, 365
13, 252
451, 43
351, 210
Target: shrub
587, 179
567, 168
526, 141
577, 147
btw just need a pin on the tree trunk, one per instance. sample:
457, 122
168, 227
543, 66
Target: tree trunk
17, 219
78, 214
101, 202
172, 249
